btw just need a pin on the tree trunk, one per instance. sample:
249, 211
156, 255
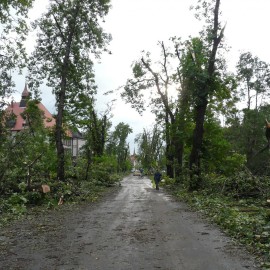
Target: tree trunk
89, 161
59, 135
169, 155
61, 102
194, 159
103, 134
179, 152
177, 145
180, 125
200, 108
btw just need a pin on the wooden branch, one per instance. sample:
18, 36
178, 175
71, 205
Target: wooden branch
59, 28
216, 40
178, 70
165, 63
216, 13
163, 97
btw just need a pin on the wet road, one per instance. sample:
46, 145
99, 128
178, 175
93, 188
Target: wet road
135, 228
142, 228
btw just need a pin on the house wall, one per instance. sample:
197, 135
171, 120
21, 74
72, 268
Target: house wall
77, 144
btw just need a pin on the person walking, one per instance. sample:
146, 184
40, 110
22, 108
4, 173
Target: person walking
141, 171
157, 178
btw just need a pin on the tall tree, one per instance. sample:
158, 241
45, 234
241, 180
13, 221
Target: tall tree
205, 78
27, 154
13, 15
254, 78
153, 81
150, 147
13, 32
68, 35
117, 145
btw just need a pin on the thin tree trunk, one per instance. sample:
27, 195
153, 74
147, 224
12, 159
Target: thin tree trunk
169, 155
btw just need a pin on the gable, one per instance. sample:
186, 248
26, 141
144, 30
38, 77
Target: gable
15, 108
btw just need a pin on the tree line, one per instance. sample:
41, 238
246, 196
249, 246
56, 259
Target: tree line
200, 129
68, 38
211, 120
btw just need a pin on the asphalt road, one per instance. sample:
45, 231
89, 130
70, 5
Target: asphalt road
135, 228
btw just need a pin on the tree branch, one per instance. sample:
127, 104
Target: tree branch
164, 98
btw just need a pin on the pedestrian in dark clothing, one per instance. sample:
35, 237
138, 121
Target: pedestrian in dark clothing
157, 178
141, 171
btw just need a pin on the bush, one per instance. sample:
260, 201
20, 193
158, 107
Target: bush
167, 181
16, 204
33, 197
243, 183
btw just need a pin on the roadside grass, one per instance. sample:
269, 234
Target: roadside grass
247, 220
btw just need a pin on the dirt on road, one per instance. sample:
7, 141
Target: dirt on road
134, 227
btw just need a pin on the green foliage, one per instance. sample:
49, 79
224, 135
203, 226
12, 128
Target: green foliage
118, 148
13, 55
67, 189
15, 205
27, 155
150, 148
138, 70
18, 204
167, 181
244, 183
254, 77
104, 172
245, 219
34, 198
68, 34
247, 137
232, 163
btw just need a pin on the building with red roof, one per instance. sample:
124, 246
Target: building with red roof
73, 141
17, 108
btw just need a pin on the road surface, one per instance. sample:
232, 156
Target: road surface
135, 227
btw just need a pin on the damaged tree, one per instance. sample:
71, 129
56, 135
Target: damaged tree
69, 33
204, 89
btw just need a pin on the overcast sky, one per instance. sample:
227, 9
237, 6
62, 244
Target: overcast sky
137, 25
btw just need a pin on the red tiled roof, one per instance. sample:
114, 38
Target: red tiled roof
49, 121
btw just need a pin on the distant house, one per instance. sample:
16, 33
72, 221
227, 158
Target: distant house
73, 141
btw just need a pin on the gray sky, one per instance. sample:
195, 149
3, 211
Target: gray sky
137, 25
